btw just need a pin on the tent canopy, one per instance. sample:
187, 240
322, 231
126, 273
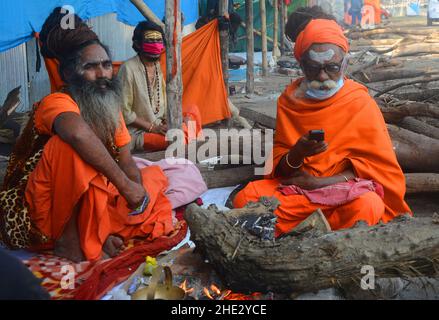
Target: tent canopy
20, 18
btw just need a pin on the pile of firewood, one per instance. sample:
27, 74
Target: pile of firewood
398, 67
390, 58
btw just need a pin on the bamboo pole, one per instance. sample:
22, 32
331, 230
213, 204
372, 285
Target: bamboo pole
256, 32
264, 37
276, 52
174, 85
224, 39
147, 13
250, 83
282, 26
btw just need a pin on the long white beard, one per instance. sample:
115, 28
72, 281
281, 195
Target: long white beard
100, 108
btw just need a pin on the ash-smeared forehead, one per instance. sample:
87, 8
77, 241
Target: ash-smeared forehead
324, 53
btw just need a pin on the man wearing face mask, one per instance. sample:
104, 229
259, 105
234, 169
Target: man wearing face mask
144, 92
352, 174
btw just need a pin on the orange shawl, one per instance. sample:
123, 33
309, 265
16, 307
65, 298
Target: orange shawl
356, 133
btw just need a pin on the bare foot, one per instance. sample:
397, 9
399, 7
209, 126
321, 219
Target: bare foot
68, 249
68, 245
113, 246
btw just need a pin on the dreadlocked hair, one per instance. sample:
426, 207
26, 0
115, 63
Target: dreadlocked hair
298, 20
63, 43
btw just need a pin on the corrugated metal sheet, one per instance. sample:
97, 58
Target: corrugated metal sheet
116, 35
18, 65
39, 85
13, 72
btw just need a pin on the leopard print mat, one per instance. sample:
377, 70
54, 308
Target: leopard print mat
16, 229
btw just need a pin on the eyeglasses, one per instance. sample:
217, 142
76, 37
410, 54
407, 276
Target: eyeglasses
313, 70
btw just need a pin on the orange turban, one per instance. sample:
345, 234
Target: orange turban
320, 31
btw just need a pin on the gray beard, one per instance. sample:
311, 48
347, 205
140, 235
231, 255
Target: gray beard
100, 108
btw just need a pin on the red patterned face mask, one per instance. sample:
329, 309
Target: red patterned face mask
153, 48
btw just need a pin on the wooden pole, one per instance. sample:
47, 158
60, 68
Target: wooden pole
256, 32
174, 85
264, 37
282, 26
224, 39
276, 28
147, 13
250, 84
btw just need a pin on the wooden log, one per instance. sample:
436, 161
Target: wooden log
147, 13
407, 83
394, 112
224, 40
415, 152
174, 84
415, 49
255, 116
392, 30
418, 126
245, 143
250, 78
431, 121
263, 37
376, 75
424, 95
313, 260
375, 42
226, 176
422, 182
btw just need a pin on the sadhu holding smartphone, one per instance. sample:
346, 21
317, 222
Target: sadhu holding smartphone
349, 169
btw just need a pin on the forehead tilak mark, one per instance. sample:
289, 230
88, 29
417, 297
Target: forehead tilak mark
321, 57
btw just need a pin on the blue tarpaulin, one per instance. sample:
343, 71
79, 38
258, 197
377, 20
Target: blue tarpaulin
20, 18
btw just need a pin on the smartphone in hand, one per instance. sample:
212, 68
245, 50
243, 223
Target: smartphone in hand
141, 208
317, 135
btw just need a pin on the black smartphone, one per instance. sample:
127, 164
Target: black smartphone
141, 208
317, 135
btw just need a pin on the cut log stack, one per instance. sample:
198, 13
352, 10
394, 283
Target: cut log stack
387, 57
396, 64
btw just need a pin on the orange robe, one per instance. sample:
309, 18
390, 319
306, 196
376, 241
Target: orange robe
157, 142
61, 180
375, 8
358, 139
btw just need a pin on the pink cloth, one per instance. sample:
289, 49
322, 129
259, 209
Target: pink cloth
153, 48
185, 181
336, 194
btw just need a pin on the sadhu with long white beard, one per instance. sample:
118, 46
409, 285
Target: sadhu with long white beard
353, 174
80, 180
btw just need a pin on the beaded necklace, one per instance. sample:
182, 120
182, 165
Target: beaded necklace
150, 93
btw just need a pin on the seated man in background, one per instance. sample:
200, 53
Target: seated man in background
352, 174
72, 174
144, 92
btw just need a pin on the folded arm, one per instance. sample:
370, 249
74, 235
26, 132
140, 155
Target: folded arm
72, 129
